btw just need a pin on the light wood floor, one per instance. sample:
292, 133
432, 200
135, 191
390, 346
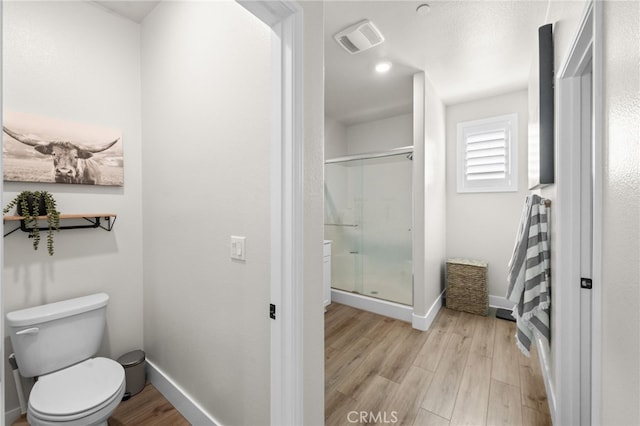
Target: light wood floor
466, 370
147, 408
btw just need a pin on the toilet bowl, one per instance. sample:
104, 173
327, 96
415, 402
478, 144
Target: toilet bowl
83, 394
56, 343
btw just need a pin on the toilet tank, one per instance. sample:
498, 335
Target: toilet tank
49, 337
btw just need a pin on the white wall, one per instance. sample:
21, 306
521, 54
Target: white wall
73, 61
369, 136
621, 210
206, 127
429, 180
313, 306
380, 135
483, 225
335, 138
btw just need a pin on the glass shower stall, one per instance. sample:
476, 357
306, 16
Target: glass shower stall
368, 218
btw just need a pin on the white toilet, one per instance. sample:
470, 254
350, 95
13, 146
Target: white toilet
55, 343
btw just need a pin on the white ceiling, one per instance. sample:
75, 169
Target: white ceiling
134, 10
469, 50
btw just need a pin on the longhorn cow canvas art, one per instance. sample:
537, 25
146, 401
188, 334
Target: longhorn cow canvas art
42, 149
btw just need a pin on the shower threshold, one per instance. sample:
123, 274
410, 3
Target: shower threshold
373, 304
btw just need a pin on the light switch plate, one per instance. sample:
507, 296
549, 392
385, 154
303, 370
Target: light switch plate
238, 249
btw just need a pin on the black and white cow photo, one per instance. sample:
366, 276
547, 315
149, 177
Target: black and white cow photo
42, 149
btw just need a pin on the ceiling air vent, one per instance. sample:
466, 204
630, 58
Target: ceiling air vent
361, 36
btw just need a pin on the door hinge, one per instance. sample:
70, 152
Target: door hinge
272, 311
586, 283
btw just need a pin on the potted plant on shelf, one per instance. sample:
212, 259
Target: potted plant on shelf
30, 205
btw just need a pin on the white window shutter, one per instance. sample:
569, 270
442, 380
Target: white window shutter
487, 155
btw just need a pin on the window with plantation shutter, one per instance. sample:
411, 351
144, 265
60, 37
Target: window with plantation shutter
488, 154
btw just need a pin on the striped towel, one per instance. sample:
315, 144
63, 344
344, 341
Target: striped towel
529, 274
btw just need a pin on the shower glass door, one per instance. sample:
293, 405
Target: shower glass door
368, 217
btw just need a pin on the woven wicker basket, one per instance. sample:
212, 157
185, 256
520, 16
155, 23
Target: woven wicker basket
467, 286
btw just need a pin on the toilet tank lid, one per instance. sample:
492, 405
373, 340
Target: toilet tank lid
53, 311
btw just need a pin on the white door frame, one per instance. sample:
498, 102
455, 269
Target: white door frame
586, 47
285, 19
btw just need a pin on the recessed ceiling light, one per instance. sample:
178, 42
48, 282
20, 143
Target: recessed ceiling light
423, 9
383, 67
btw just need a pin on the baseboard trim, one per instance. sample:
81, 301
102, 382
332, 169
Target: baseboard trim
423, 323
181, 400
11, 416
377, 306
545, 365
501, 302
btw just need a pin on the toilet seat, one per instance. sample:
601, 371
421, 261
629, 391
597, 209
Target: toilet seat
78, 391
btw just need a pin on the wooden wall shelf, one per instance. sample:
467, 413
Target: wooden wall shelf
94, 220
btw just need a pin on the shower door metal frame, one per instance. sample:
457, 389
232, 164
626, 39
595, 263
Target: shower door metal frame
369, 155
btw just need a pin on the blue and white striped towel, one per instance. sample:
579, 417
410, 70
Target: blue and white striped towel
530, 274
